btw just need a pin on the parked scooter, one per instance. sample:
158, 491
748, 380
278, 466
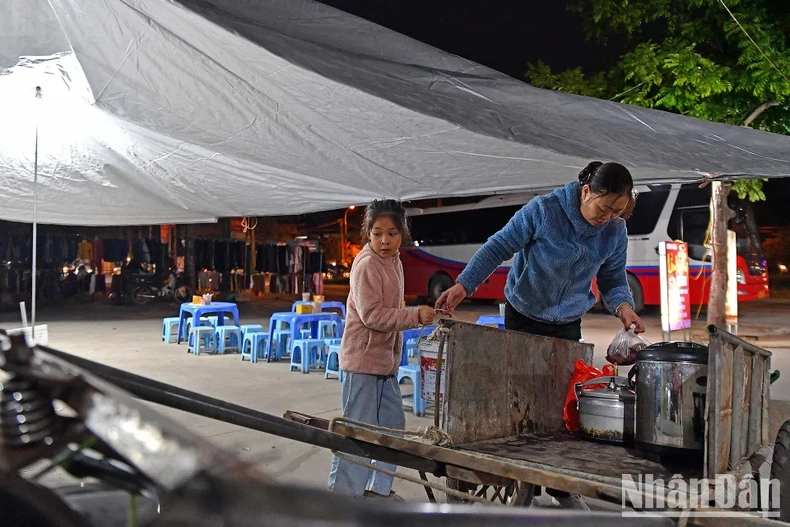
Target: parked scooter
173, 289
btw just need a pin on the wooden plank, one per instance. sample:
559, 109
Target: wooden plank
476, 477
720, 361
585, 484
567, 452
755, 411
766, 421
740, 375
503, 383
711, 410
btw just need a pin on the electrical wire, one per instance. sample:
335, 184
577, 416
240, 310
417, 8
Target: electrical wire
248, 225
753, 42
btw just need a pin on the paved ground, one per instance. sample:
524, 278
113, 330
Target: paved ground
129, 338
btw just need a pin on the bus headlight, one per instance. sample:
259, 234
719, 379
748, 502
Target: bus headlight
740, 277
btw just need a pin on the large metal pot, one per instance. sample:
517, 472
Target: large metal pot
608, 413
671, 384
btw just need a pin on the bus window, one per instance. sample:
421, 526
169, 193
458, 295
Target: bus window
459, 228
694, 231
649, 206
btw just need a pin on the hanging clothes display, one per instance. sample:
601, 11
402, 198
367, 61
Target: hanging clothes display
203, 281
115, 250
98, 253
85, 251
318, 283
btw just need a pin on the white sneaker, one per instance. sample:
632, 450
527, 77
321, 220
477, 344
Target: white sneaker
574, 501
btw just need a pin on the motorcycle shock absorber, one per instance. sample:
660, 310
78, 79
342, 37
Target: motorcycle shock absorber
27, 413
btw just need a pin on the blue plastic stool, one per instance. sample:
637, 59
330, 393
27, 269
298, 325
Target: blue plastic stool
253, 345
333, 363
327, 329
404, 359
281, 344
209, 321
491, 320
306, 353
409, 347
228, 338
250, 328
204, 323
167, 329
412, 371
204, 335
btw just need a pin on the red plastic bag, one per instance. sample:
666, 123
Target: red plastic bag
582, 372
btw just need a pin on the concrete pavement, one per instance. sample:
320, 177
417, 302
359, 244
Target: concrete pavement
129, 338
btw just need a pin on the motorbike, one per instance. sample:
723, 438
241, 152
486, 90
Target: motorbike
174, 288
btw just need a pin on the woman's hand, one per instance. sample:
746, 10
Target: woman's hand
629, 318
426, 315
451, 298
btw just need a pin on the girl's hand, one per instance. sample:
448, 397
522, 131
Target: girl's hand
426, 315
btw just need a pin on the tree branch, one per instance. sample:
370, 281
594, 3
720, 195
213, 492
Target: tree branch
756, 113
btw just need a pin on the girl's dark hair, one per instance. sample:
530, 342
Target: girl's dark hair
385, 207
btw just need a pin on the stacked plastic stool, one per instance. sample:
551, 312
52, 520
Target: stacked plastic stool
201, 335
227, 338
327, 329
412, 371
204, 323
306, 353
333, 363
250, 328
281, 344
254, 344
167, 329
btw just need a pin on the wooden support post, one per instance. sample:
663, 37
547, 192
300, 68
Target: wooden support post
720, 216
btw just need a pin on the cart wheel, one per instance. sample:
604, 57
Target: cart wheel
516, 494
780, 470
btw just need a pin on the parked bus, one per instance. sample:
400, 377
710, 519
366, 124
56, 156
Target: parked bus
446, 238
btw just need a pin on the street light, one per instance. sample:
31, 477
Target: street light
344, 234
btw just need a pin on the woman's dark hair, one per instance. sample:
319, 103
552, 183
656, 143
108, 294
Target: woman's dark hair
610, 178
607, 178
385, 207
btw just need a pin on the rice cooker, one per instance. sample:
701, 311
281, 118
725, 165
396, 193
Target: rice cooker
607, 413
670, 380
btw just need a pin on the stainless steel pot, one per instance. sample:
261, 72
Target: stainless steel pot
671, 384
607, 414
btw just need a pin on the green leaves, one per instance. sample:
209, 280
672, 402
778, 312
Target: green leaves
750, 188
699, 61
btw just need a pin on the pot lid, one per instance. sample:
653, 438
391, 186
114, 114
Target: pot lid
674, 352
615, 392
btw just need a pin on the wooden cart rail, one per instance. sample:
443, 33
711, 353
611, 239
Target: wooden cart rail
492, 469
736, 408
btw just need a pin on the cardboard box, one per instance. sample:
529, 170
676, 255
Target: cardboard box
304, 309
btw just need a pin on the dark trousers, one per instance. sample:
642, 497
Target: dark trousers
515, 321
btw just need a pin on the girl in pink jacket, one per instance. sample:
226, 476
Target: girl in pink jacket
370, 353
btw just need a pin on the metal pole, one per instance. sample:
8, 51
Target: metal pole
35, 228
345, 235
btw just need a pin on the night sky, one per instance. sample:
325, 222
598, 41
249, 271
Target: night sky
508, 35
505, 35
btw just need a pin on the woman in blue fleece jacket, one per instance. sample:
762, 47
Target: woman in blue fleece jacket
561, 241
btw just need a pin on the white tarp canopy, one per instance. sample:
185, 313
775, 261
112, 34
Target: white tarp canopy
155, 111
